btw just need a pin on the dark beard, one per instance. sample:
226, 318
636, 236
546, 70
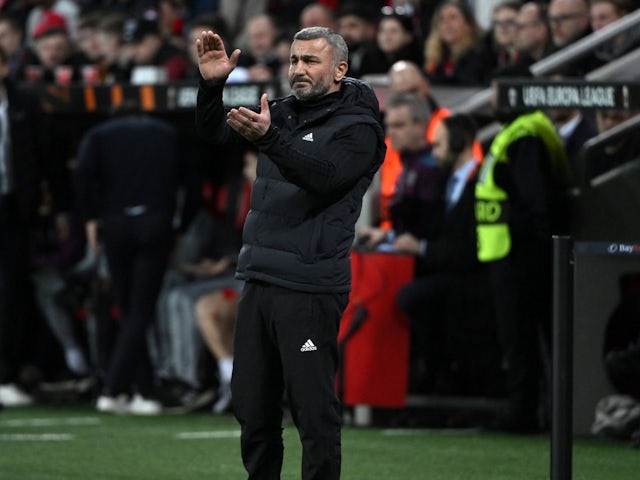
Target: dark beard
317, 91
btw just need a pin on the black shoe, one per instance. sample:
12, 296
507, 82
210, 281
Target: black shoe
189, 401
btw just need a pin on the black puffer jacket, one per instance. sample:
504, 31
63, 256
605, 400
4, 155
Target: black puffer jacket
316, 163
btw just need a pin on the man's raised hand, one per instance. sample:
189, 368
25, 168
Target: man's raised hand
215, 66
251, 125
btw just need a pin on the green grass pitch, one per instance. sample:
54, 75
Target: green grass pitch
76, 443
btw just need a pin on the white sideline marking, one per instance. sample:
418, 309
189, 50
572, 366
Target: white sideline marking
205, 435
406, 432
51, 422
39, 437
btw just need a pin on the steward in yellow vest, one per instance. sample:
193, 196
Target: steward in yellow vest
519, 205
495, 208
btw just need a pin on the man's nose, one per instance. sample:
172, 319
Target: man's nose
299, 68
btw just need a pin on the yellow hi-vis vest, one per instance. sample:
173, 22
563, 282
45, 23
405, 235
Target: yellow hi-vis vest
492, 202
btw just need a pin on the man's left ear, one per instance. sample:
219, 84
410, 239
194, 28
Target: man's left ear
340, 71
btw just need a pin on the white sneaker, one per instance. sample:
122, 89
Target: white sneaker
12, 396
118, 405
144, 406
223, 403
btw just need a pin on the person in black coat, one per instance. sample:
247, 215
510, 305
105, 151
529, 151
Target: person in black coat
25, 161
395, 40
448, 257
319, 150
129, 174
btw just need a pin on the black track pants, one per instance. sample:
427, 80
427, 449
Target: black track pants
285, 340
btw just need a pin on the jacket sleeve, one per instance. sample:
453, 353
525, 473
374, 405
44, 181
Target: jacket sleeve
211, 118
351, 154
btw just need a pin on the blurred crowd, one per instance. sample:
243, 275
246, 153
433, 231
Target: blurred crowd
118, 243
141, 41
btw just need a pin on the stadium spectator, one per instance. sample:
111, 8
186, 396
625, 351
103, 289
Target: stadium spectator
26, 160
500, 39
569, 21
171, 18
395, 41
115, 62
318, 15
288, 12
605, 12
54, 56
261, 33
520, 204
68, 10
358, 28
237, 14
216, 316
204, 262
414, 207
446, 260
533, 38
129, 169
56, 248
406, 77
149, 49
296, 281
574, 128
87, 36
453, 52
11, 41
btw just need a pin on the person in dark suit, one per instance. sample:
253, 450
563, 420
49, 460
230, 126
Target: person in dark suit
447, 257
25, 161
454, 247
129, 171
575, 129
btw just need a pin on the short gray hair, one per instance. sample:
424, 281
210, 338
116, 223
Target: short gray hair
340, 49
418, 108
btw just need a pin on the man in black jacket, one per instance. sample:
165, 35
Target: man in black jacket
319, 150
130, 170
